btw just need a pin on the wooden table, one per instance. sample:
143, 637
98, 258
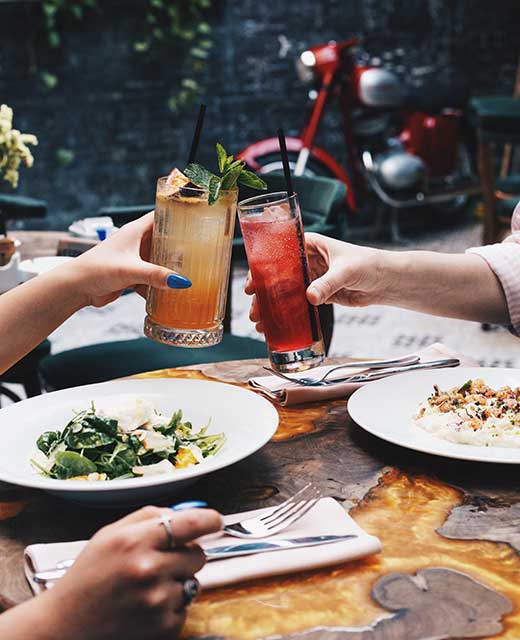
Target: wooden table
450, 532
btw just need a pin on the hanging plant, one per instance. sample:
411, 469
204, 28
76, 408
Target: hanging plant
52, 12
180, 25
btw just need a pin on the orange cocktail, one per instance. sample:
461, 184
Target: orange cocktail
194, 239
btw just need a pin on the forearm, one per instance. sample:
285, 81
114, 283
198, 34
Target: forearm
30, 312
36, 619
452, 285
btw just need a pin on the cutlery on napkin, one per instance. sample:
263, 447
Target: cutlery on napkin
327, 518
287, 393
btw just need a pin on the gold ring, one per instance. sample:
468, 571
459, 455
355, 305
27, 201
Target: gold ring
165, 521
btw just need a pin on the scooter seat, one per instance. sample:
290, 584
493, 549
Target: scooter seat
437, 94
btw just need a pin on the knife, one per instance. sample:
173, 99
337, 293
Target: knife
384, 373
219, 553
262, 546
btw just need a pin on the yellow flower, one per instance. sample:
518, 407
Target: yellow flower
13, 147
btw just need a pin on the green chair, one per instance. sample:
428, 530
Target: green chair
25, 373
100, 362
322, 203
17, 207
498, 122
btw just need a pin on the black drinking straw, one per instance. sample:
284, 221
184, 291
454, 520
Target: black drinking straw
196, 134
285, 162
305, 266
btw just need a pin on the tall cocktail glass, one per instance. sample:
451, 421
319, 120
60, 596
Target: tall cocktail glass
194, 239
273, 237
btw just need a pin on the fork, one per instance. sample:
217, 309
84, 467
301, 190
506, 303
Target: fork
366, 364
278, 518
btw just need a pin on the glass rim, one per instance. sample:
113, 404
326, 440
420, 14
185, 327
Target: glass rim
199, 190
281, 197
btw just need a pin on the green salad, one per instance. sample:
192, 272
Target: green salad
129, 440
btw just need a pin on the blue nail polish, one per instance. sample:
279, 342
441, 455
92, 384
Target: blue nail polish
176, 281
190, 504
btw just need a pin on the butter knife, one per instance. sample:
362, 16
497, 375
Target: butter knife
219, 553
262, 546
385, 373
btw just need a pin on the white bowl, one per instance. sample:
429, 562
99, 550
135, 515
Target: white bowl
248, 420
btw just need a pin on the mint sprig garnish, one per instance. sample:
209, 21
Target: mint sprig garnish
232, 171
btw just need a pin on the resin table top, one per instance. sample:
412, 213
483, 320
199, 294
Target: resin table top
450, 531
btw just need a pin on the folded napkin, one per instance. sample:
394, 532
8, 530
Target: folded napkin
327, 517
289, 393
87, 227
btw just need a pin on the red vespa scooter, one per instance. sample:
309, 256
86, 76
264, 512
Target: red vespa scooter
409, 147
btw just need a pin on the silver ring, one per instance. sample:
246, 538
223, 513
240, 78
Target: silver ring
165, 521
190, 590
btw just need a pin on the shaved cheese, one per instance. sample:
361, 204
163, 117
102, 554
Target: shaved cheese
160, 468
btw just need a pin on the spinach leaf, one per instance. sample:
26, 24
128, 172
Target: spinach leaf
70, 464
106, 425
119, 462
87, 438
47, 441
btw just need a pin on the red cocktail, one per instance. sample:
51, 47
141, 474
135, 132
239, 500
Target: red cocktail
273, 238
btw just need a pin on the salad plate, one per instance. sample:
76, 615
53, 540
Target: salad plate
391, 410
235, 423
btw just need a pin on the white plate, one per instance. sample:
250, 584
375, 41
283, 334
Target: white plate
385, 409
31, 268
248, 420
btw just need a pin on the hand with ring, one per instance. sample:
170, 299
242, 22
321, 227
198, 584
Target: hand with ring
133, 580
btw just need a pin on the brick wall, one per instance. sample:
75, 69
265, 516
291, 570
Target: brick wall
110, 107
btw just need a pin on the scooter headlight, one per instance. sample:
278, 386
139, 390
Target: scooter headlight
304, 66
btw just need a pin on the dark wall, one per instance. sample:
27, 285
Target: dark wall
110, 108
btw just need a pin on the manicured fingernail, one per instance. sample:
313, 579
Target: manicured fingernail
190, 504
176, 281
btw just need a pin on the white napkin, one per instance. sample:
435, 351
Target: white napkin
87, 227
290, 393
327, 517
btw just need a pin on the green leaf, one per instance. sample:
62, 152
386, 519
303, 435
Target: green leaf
54, 39
222, 157
465, 387
189, 83
49, 80
76, 11
142, 46
49, 8
199, 175
47, 441
198, 53
88, 438
229, 180
214, 189
64, 157
249, 179
70, 464
231, 164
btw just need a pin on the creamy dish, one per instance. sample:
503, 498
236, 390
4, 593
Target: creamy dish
473, 414
128, 440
